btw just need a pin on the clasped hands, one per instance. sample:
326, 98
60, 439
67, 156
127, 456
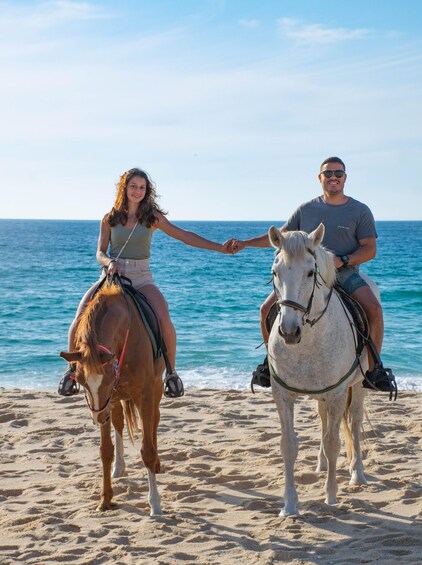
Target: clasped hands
233, 246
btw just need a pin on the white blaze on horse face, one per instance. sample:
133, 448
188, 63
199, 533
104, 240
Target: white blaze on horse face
95, 382
293, 284
290, 318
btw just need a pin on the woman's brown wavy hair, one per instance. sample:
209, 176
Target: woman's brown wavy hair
147, 208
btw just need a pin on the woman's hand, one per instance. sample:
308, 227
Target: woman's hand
112, 268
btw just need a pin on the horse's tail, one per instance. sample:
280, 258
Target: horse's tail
131, 417
346, 428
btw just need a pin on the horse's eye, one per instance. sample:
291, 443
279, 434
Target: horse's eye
311, 273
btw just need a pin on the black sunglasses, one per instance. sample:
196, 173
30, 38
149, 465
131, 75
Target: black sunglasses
338, 174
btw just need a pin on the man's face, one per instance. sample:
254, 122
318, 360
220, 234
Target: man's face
333, 185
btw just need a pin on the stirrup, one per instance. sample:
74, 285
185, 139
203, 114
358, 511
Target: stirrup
381, 379
173, 386
261, 376
67, 385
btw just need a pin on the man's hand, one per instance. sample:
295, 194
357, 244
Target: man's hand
338, 263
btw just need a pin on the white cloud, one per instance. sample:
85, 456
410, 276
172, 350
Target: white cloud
316, 33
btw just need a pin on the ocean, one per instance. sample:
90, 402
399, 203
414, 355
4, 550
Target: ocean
214, 299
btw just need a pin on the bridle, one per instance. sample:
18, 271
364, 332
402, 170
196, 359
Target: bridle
306, 309
117, 363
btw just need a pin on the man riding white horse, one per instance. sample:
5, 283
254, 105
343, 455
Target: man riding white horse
351, 235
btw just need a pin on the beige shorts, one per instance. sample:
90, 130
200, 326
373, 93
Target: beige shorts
137, 270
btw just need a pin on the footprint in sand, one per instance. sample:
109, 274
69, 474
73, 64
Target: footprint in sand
11, 492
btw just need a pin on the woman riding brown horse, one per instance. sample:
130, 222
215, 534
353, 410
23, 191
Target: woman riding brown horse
115, 364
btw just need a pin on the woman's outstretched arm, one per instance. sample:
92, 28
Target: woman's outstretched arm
189, 237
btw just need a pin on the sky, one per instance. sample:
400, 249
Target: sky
229, 105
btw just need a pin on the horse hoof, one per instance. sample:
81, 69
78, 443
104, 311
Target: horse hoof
156, 512
284, 513
357, 480
331, 501
103, 506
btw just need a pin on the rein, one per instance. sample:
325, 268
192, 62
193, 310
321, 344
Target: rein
117, 364
321, 390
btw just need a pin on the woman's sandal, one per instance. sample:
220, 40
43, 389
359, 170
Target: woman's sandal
173, 386
67, 384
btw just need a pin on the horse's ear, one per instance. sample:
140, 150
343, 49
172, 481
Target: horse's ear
317, 235
71, 356
276, 237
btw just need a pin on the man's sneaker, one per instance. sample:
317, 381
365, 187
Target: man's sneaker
381, 379
261, 375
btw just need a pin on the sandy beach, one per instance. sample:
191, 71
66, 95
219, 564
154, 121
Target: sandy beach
221, 486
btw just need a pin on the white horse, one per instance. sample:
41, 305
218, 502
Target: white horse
311, 351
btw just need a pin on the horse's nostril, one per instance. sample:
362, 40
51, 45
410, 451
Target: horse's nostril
298, 331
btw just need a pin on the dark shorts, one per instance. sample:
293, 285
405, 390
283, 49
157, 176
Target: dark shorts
350, 280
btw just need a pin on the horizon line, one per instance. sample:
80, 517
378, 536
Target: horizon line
173, 220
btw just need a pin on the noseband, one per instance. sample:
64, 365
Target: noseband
307, 309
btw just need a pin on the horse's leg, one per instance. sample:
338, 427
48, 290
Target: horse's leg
322, 460
156, 419
149, 409
106, 452
289, 449
331, 441
154, 497
118, 420
356, 415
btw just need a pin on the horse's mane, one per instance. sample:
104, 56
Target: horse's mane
86, 331
297, 245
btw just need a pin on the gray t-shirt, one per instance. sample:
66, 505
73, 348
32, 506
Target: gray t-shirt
345, 224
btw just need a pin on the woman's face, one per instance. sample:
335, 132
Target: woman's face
136, 189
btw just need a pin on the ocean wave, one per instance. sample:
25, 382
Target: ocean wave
225, 378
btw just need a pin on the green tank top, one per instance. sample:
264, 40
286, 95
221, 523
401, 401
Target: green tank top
138, 246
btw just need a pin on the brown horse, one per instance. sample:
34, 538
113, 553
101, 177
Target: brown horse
115, 364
